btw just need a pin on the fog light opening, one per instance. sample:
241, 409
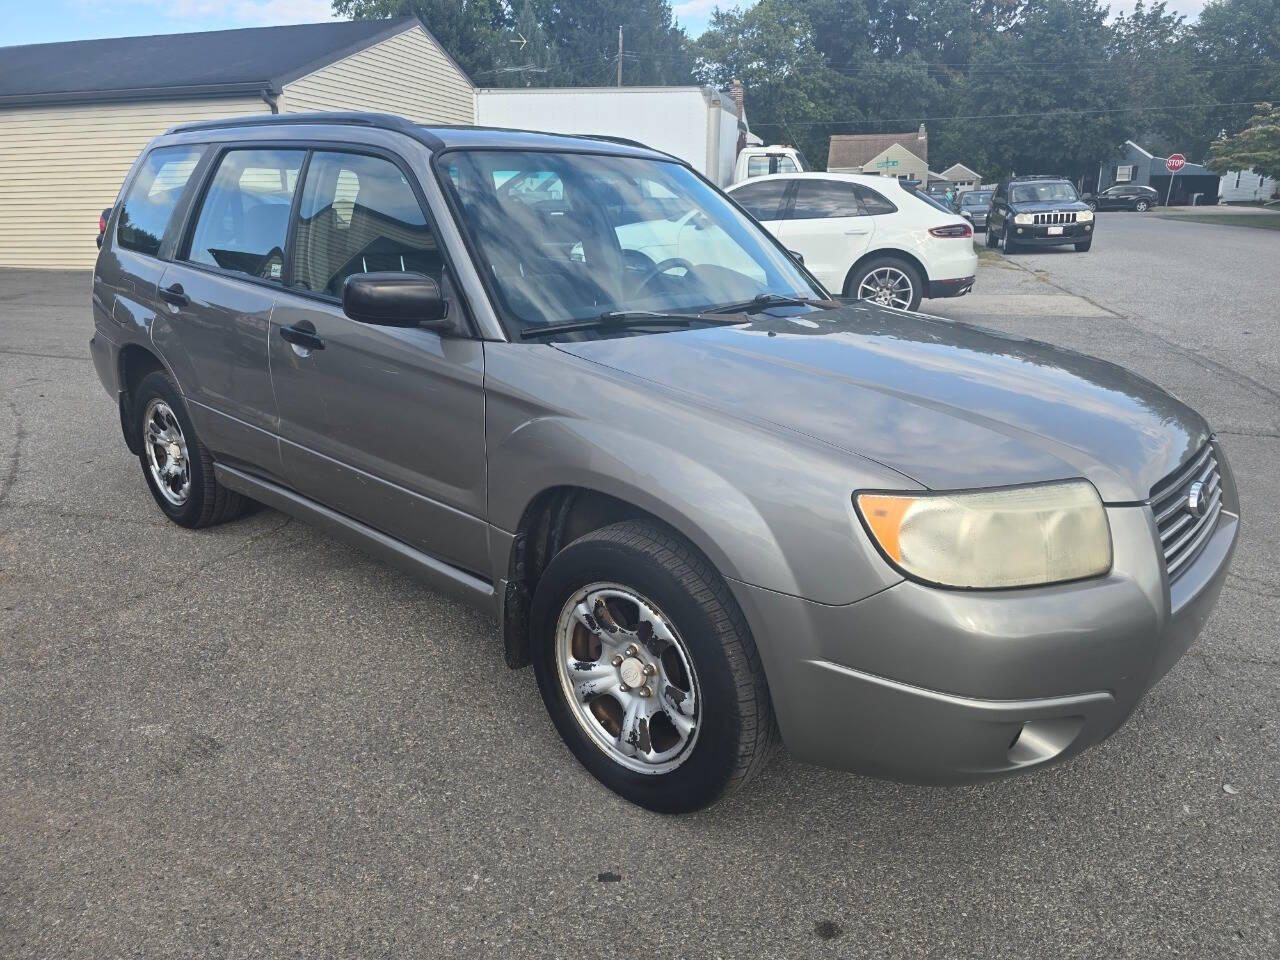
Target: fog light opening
1038, 741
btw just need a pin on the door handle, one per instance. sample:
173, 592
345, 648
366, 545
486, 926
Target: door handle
856, 231
175, 295
301, 336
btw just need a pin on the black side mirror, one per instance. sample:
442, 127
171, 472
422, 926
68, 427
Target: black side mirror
797, 256
396, 300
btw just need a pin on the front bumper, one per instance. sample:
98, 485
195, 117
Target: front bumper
943, 686
1037, 235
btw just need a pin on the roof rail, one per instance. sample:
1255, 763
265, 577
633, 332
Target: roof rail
625, 142
382, 121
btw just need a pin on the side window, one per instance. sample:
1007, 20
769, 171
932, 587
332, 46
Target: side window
153, 197
821, 199
762, 199
873, 202
359, 215
757, 166
786, 165
244, 219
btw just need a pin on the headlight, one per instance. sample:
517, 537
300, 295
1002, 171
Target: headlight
1024, 218
1009, 537
1084, 216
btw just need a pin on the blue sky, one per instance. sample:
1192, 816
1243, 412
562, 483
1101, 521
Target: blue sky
46, 21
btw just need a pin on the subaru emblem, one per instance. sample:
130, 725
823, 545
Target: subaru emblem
1197, 502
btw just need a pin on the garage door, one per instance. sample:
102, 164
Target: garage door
60, 165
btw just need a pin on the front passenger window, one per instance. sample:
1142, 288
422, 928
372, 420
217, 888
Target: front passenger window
359, 215
244, 219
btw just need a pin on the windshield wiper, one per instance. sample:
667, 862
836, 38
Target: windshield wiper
625, 318
764, 301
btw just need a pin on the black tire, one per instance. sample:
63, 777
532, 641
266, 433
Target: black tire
991, 239
1084, 247
1142, 206
912, 275
736, 732
1007, 239
208, 502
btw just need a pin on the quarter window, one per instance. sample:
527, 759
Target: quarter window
154, 196
822, 199
873, 202
762, 199
244, 219
359, 215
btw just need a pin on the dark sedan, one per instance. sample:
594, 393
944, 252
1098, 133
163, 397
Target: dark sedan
1124, 196
973, 205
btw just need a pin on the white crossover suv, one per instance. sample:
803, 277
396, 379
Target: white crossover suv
865, 236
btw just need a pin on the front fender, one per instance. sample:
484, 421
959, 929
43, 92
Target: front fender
767, 506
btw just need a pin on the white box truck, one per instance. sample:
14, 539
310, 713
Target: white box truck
697, 124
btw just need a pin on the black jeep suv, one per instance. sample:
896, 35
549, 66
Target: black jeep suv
1039, 211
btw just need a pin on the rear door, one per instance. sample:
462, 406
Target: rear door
382, 424
824, 223
218, 294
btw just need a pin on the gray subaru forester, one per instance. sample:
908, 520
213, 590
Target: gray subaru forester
569, 380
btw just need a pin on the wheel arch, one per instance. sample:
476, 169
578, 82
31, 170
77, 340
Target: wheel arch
892, 252
134, 363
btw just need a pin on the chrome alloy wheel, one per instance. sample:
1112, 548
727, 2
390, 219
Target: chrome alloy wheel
167, 453
627, 677
888, 286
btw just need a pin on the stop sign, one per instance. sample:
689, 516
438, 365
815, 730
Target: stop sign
1176, 162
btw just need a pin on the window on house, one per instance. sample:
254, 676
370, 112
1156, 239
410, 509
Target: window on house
1124, 174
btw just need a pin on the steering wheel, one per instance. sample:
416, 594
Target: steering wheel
662, 267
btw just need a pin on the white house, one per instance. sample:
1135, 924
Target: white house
1239, 186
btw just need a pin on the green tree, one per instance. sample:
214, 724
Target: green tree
1238, 44
472, 31
1256, 147
585, 35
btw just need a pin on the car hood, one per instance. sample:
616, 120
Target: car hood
1023, 206
947, 404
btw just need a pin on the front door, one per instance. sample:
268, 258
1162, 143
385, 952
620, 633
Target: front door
217, 300
382, 424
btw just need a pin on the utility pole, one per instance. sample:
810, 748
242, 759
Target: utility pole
619, 54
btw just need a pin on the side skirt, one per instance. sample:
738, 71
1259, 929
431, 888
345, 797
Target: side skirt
435, 573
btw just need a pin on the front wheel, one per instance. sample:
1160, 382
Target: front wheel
648, 670
1142, 206
1084, 246
887, 281
991, 238
1008, 239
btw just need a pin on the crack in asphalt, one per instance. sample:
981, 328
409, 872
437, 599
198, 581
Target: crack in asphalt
10, 476
46, 356
1238, 377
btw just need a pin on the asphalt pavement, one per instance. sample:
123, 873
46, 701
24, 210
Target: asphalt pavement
254, 741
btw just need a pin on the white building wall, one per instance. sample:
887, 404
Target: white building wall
1244, 185
61, 165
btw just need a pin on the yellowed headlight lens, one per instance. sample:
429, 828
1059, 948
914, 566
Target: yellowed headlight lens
1010, 537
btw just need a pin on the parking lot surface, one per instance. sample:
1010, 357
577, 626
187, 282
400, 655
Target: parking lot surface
253, 741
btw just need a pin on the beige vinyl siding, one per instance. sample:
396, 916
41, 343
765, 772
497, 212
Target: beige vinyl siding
61, 165
407, 74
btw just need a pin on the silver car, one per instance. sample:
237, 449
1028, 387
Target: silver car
570, 381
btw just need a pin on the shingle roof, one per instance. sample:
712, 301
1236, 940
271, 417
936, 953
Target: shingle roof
855, 149
217, 61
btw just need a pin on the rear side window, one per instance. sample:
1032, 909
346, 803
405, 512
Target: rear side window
153, 197
359, 215
244, 219
821, 199
762, 199
873, 202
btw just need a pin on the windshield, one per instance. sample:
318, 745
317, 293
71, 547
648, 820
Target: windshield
569, 236
972, 199
1059, 191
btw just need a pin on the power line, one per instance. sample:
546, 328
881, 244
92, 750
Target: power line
1004, 116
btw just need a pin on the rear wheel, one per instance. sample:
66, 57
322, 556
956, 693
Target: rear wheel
888, 281
1142, 206
991, 239
177, 467
648, 669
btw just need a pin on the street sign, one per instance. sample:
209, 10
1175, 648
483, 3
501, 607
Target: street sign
1175, 163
